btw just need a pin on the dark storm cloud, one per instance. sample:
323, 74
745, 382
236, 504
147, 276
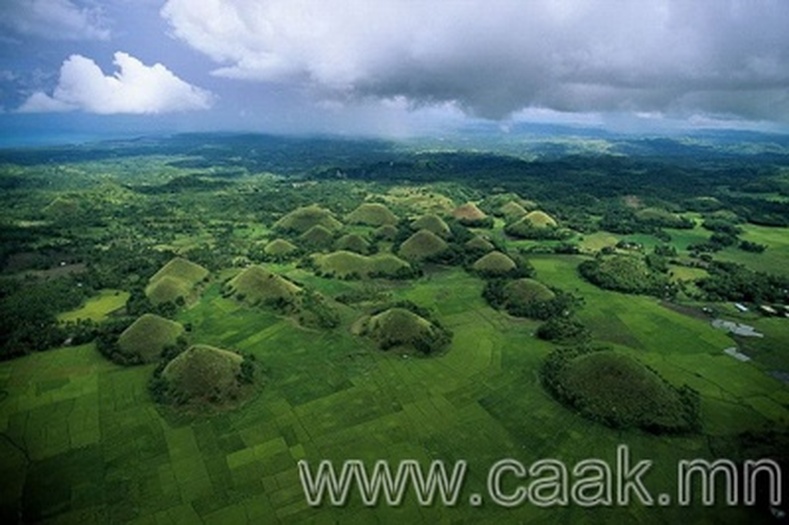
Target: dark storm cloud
494, 57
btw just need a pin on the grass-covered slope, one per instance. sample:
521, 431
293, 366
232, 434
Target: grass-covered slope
524, 291
280, 248
387, 232
479, 244
372, 214
146, 337
540, 219
257, 285
432, 223
494, 263
424, 244
536, 225
399, 326
302, 219
469, 214
346, 264
352, 242
181, 269
317, 237
204, 378
175, 279
512, 210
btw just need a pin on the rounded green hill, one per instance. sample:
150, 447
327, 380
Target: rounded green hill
432, 223
280, 248
318, 237
494, 263
525, 291
469, 213
387, 232
513, 210
402, 327
540, 219
258, 285
146, 337
371, 214
206, 378
619, 391
352, 242
422, 245
346, 264
175, 279
479, 244
302, 219
167, 289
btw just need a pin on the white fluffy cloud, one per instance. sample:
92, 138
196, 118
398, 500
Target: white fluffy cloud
53, 19
134, 88
494, 57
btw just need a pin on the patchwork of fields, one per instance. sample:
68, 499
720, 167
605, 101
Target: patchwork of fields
94, 448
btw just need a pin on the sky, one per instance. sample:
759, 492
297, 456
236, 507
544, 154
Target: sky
389, 67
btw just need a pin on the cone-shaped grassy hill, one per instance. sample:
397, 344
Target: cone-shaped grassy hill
202, 375
318, 237
513, 210
422, 245
146, 337
280, 248
352, 242
494, 263
524, 291
387, 232
371, 214
479, 244
432, 223
469, 213
540, 219
534, 224
302, 219
175, 279
344, 264
256, 284
402, 327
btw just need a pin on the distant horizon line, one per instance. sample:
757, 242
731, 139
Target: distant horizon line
64, 138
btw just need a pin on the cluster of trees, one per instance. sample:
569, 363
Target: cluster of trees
620, 219
28, 311
725, 233
620, 278
734, 282
563, 330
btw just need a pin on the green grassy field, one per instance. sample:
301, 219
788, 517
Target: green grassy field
97, 308
101, 451
772, 260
